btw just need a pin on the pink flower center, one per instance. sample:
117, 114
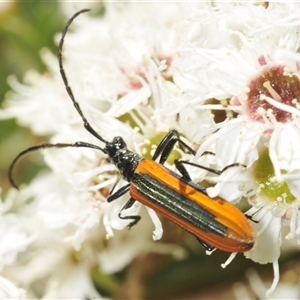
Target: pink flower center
277, 84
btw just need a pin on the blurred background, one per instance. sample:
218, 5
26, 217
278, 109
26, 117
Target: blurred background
26, 28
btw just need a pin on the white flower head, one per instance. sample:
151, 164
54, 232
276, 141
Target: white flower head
244, 58
122, 78
13, 237
9, 291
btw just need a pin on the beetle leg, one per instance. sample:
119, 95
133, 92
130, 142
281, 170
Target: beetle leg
123, 190
182, 162
119, 177
167, 144
120, 192
135, 218
181, 168
206, 246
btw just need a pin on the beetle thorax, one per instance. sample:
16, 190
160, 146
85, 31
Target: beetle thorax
125, 160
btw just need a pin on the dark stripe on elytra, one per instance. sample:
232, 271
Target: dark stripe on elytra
178, 204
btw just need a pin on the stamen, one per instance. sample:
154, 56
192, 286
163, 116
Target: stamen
217, 107
99, 186
108, 228
283, 106
276, 278
273, 93
207, 252
229, 260
293, 221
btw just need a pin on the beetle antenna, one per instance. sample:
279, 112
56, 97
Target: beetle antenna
87, 125
44, 146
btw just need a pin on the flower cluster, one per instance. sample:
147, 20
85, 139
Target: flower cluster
244, 58
225, 75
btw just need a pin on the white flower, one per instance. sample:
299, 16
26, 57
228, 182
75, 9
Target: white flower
46, 256
9, 291
118, 74
70, 282
134, 82
60, 259
13, 237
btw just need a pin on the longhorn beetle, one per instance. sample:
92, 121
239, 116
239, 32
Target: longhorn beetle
215, 222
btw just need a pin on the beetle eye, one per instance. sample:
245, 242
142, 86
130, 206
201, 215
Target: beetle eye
119, 143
